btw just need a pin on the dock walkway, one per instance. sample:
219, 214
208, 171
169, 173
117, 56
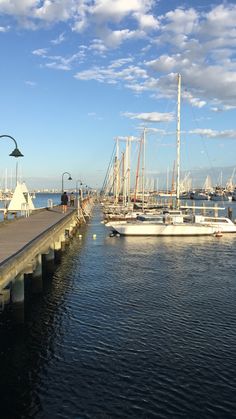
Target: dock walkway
24, 241
17, 234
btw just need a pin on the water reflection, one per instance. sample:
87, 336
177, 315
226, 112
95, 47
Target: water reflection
127, 328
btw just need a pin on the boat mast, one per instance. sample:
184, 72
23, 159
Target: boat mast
167, 180
126, 192
178, 144
129, 139
117, 172
137, 170
123, 175
143, 168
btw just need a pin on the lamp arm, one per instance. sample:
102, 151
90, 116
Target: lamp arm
9, 136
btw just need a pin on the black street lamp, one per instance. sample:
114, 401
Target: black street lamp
78, 182
62, 180
15, 153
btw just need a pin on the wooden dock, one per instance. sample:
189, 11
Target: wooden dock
17, 234
23, 241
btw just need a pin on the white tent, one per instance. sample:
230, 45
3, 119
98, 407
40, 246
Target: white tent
21, 199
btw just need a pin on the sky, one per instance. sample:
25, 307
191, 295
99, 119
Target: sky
77, 74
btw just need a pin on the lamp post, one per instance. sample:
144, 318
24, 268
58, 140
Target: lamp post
62, 180
76, 188
88, 189
16, 152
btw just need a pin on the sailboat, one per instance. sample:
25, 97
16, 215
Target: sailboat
170, 222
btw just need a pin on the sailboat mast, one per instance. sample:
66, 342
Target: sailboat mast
178, 144
137, 171
143, 168
117, 172
129, 139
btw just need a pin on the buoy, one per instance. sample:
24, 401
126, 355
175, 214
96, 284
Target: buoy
80, 236
117, 235
218, 234
94, 236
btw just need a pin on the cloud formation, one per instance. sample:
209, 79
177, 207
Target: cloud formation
210, 133
198, 43
151, 116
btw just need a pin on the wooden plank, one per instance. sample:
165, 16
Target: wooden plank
18, 233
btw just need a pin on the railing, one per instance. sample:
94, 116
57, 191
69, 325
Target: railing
50, 203
25, 211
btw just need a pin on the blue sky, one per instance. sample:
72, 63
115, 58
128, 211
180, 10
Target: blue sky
76, 74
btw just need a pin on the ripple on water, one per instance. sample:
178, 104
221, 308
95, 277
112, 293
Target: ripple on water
131, 328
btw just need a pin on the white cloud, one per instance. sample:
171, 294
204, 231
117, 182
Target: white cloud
58, 40
201, 47
95, 116
98, 46
59, 62
103, 13
219, 21
17, 7
223, 108
198, 44
58, 66
114, 39
147, 22
116, 10
181, 21
135, 87
54, 11
4, 29
120, 62
30, 83
113, 73
41, 52
209, 133
163, 64
151, 116
196, 102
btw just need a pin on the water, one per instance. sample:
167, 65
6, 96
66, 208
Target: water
41, 200
127, 328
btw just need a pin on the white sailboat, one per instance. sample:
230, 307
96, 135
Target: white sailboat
171, 223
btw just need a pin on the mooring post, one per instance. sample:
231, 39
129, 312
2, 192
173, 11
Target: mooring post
1, 302
18, 289
17, 298
63, 242
57, 251
67, 236
37, 276
49, 260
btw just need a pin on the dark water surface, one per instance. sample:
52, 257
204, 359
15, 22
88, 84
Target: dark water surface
127, 328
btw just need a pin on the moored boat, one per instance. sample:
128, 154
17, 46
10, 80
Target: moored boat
167, 225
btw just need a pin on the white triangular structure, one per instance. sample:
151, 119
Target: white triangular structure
21, 199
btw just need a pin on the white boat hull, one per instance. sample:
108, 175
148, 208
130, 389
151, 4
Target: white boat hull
223, 225
143, 229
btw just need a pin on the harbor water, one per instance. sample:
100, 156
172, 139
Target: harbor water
126, 328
